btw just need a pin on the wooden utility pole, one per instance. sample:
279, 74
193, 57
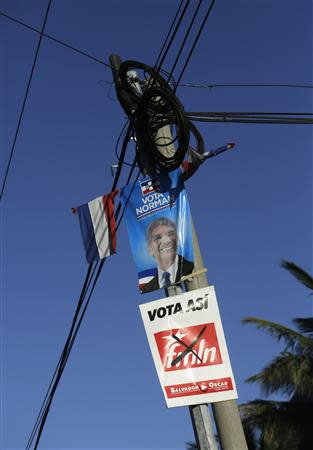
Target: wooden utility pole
226, 414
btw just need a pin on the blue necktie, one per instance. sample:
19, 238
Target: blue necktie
166, 278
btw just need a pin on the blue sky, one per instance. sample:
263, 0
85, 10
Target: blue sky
251, 207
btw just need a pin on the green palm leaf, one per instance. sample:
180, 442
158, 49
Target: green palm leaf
298, 273
292, 339
274, 425
281, 425
305, 325
288, 374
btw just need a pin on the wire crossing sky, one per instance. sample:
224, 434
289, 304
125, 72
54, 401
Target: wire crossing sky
25, 99
251, 207
226, 120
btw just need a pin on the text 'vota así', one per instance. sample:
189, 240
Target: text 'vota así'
177, 308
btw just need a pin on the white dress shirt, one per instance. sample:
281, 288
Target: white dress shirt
172, 270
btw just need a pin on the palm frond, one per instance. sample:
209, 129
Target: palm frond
252, 437
273, 421
281, 425
292, 338
305, 325
298, 273
288, 374
274, 425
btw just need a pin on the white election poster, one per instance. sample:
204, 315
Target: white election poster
188, 346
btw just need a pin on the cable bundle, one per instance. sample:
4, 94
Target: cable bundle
152, 110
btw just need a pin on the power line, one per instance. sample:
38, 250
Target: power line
240, 85
243, 113
278, 121
44, 410
195, 42
192, 85
130, 193
65, 355
76, 323
84, 290
169, 32
43, 414
173, 35
24, 101
42, 34
281, 118
185, 38
117, 144
249, 85
56, 40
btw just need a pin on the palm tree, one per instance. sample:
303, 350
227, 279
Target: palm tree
284, 425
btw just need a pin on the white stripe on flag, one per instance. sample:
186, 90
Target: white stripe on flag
100, 226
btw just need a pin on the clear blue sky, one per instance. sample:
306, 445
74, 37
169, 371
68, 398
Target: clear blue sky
251, 207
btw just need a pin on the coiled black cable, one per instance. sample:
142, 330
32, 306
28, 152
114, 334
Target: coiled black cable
151, 109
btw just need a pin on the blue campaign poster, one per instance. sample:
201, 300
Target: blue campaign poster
159, 229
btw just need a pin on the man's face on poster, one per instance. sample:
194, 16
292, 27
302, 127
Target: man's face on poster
163, 245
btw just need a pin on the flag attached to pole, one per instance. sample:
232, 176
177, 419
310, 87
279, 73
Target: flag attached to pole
98, 227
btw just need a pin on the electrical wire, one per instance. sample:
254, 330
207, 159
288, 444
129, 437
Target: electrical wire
243, 113
252, 117
65, 355
117, 144
44, 410
25, 99
250, 85
127, 201
159, 101
151, 111
85, 287
192, 85
76, 323
157, 107
156, 114
260, 121
168, 34
122, 156
172, 37
185, 38
48, 36
195, 43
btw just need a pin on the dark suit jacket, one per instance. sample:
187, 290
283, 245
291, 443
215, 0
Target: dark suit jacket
185, 267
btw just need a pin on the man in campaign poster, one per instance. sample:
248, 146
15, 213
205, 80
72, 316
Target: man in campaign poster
162, 243
159, 227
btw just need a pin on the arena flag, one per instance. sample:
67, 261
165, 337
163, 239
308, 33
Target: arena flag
158, 220
97, 226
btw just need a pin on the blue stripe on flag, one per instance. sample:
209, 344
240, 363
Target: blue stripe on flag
88, 234
147, 273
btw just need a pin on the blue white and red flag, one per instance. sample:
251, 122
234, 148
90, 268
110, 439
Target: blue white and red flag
150, 185
98, 227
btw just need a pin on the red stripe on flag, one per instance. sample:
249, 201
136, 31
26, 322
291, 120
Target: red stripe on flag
108, 203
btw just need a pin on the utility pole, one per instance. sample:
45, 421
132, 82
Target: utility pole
226, 414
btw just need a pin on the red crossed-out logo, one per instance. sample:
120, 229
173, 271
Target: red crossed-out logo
183, 348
